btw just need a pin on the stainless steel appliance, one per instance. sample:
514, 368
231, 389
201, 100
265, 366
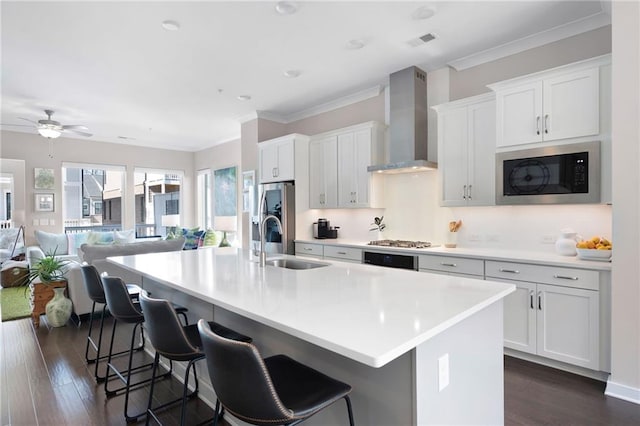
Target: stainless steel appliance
322, 229
562, 174
277, 199
392, 260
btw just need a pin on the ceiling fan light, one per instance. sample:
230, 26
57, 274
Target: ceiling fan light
49, 132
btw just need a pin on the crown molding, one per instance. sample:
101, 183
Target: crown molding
583, 25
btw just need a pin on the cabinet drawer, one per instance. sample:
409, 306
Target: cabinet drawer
457, 265
567, 277
306, 249
343, 253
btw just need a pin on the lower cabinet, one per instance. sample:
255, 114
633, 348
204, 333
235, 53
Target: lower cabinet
449, 265
308, 249
344, 254
550, 320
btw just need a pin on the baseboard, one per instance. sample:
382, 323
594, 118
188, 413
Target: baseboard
624, 392
602, 376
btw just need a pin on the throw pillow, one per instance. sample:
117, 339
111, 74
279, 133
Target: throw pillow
124, 237
193, 238
75, 241
52, 243
210, 238
100, 238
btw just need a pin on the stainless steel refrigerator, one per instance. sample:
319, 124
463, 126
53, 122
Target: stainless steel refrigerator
277, 199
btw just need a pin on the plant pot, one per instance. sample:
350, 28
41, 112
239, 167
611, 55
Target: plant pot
59, 308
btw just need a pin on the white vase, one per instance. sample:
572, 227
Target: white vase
452, 240
566, 243
59, 308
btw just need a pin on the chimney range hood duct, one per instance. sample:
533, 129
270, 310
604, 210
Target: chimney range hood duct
408, 127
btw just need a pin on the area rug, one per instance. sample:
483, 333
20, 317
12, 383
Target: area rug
14, 303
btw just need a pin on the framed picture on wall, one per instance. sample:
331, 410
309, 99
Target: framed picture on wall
43, 178
43, 202
225, 192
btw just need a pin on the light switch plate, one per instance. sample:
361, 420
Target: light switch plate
36, 222
443, 372
52, 222
44, 222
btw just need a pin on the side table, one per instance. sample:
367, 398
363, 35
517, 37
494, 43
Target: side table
40, 295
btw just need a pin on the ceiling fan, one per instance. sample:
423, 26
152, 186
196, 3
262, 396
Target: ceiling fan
52, 129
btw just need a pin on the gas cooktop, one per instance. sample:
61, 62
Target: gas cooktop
400, 243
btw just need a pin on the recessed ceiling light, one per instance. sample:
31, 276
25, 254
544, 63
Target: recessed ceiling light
170, 25
291, 73
244, 97
286, 7
424, 12
355, 44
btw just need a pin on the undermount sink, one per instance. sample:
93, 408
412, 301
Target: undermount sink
295, 264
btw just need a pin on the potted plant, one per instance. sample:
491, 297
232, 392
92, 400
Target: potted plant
49, 270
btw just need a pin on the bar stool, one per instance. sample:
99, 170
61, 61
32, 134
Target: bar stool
124, 310
176, 342
93, 286
274, 390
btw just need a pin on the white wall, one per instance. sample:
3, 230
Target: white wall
625, 291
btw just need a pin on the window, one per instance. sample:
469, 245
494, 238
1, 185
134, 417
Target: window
203, 199
88, 190
157, 193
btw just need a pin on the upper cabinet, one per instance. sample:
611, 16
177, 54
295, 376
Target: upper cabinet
466, 151
338, 161
561, 103
277, 158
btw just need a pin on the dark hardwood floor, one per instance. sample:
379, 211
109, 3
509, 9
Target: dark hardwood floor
44, 381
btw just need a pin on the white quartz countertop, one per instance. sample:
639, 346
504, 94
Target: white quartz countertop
367, 313
533, 257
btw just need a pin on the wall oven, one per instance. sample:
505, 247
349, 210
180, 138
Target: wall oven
561, 174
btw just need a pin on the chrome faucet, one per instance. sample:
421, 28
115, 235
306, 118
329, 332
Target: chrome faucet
263, 253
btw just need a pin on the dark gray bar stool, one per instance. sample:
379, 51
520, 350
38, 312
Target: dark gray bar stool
272, 391
176, 342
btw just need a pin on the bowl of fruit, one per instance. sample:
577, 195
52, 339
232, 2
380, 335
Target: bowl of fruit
596, 248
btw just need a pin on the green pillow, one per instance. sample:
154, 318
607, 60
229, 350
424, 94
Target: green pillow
210, 238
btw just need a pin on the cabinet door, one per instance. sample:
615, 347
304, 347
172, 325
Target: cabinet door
362, 159
571, 105
268, 162
453, 135
568, 325
520, 317
346, 175
285, 169
481, 181
519, 115
323, 173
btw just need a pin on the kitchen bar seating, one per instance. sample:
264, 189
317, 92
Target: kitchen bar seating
93, 286
273, 390
176, 342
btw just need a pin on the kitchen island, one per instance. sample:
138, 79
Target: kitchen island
417, 348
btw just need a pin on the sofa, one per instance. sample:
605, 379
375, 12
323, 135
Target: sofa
94, 252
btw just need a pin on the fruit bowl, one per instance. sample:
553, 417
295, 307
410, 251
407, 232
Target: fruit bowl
591, 254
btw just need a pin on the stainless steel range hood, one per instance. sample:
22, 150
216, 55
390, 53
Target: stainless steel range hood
408, 124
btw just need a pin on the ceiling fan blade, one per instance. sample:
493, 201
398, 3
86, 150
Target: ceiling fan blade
77, 132
74, 126
30, 121
17, 125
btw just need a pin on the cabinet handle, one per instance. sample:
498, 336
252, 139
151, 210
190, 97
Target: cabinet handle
539, 300
464, 192
564, 277
546, 123
342, 252
308, 248
277, 172
469, 193
453, 265
531, 299
537, 125
273, 172
511, 271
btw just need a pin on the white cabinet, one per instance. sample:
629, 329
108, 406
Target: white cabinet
561, 103
554, 312
323, 172
450, 265
338, 164
466, 151
345, 254
309, 249
277, 158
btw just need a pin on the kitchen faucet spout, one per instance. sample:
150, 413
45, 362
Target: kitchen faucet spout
263, 225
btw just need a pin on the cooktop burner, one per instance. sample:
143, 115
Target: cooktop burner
400, 243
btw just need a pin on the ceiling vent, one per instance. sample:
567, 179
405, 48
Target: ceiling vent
421, 40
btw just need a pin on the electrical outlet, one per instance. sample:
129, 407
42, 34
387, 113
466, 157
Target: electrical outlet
548, 239
36, 222
494, 238
443, 372
475, 237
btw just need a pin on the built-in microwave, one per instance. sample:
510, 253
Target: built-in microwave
560, 174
